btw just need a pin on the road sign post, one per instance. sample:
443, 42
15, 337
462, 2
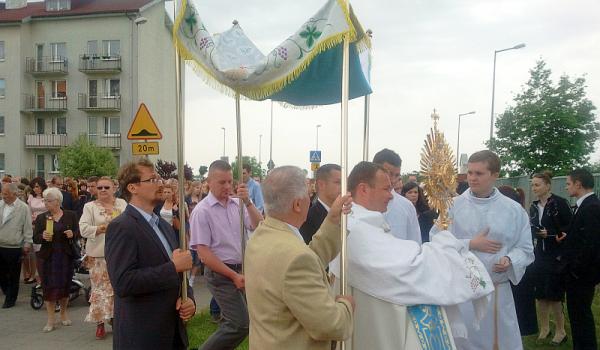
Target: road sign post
144, 128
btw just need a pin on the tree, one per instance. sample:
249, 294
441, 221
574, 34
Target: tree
256, 169
166, 169
83, 159
188, 173
551, 126
202, 170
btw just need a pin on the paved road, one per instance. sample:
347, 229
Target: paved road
21, 326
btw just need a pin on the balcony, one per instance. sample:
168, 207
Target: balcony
45, 140
106, 141
46, 66
43, 104
99, 103
92, 64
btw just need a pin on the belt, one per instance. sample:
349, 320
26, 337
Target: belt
235, 267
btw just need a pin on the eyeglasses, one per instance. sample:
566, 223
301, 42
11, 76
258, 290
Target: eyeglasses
103, 188
153, 180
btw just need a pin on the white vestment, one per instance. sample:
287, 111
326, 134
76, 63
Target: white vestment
508, 223
402, 217
388, 274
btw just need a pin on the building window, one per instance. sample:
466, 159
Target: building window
58, 5
112, 87
111, 126
40, 127
92, 48
1, 125
2, 51
58, 51
2, 88
54, 163
40, 166
93, 129
59, 89
59, 126
2, 165
111, 48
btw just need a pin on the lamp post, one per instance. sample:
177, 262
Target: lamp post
318, 126
458, 140
260, 150
270, 164
223, 141
516, 47
136, 22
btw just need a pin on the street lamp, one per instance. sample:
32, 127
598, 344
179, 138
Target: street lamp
458, 140
318, 126
223, 141
516, 47
259, 150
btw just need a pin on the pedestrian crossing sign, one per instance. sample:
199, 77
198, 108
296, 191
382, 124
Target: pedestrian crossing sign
315, 156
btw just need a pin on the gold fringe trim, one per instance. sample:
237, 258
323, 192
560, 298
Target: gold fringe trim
261, 92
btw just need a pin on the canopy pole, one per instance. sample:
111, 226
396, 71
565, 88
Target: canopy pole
179, 116
344, 159
238, 120
367, 117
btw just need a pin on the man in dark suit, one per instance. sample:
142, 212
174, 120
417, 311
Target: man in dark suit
145, 268
67, 202
329, 187
582, 258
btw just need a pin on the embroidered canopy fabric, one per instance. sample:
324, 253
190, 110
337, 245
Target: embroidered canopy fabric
305, 69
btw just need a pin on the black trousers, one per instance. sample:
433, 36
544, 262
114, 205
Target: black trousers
580, 295
10, 272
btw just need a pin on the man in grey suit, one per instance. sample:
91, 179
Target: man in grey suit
15, 238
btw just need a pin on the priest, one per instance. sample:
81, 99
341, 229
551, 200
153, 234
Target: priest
496, 229
399, 285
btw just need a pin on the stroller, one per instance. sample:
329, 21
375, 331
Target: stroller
75, 290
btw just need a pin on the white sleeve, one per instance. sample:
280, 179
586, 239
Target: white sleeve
521, 255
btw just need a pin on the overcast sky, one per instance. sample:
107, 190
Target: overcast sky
427, 54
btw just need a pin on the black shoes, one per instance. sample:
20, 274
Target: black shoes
8, 304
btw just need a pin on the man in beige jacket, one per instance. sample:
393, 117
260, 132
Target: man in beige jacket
289, 300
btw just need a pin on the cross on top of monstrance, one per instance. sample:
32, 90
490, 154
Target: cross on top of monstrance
437, 166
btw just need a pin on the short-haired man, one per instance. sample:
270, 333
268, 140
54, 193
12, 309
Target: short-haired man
92, 181
57, 182
401, 213
289, 298
497, 230
329, 187
145, 268
254, 191
216, 236
16, 234
398, 283
582, 258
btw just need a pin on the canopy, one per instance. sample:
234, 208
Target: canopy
304, 70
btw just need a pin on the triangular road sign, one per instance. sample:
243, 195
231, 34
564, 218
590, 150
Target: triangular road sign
143, 126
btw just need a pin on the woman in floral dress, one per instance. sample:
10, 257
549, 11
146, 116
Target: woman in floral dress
94, 220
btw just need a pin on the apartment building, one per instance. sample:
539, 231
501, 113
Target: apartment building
72, 68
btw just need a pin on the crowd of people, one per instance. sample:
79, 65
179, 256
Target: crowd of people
518, 265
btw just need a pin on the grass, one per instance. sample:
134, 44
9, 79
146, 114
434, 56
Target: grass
200, 328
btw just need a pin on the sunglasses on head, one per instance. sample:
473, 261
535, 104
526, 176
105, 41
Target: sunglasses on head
103, 187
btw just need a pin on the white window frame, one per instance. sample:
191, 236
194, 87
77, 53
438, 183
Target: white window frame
2, 50
108, 121
54, 165
108, 53
2, 162
54, 55
39, 171
3, 124
3, 89
54, 92
107, 88
58, 5
55, 125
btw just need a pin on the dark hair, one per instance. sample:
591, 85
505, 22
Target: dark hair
461, 187
387, 156
219, 165
421, 205
511, 193
585, 178
363, 172
324, 171
247, 167
489, 157
93, 179
546, 176
38, 181
25, 181
130, 174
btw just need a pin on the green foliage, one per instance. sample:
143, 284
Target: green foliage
203, 170
188, 173
83, 159
166, 169
550, 126
256, 169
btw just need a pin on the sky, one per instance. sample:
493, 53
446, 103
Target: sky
427, 54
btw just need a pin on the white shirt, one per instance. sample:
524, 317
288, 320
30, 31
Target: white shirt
296, 232
582, 198
402, 217
323, 204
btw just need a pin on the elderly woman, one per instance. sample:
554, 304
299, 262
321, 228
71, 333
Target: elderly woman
94, 220
55, 258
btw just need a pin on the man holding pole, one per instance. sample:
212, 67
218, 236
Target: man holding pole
145, 268
215, 235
